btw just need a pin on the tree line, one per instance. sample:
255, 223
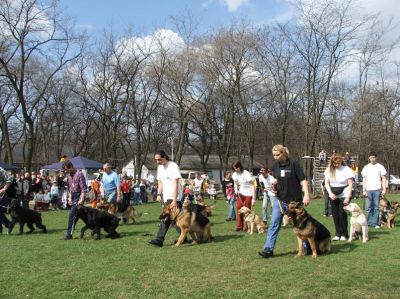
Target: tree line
325, 79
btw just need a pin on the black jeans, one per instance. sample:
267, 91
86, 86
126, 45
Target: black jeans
165, 224
72, 213
339, 218
4, 202
327, 204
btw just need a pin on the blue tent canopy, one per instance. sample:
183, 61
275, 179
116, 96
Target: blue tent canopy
9, 166
78, 162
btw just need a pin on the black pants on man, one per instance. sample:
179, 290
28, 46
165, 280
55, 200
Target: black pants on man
164, 226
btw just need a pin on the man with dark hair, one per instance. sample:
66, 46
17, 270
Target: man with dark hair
169, 190
5, 183
77, 188
374, 185
289, 182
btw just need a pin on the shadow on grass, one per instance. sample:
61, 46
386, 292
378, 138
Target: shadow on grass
343, 247
375, 234
222, 238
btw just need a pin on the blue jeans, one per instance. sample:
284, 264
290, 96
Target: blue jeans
72, 213
275, 224
372, 207
136, 197
111, 196
266, 202
231, 213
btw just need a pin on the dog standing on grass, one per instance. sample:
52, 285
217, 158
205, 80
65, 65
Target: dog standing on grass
23, 215
189, 221
95, 220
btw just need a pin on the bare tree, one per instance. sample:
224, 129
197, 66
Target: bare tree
33, 34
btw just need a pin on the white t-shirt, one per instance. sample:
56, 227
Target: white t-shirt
197, 184
167, 174
267, 181
343, 173
373, 175
245, 182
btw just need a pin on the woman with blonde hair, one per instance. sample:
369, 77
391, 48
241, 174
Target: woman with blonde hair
339, 185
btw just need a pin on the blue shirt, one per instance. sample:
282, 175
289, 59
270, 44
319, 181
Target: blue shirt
110, 181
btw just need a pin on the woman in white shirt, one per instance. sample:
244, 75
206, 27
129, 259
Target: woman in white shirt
339, 185
244, 190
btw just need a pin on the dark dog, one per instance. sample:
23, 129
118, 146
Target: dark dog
95, 220
24, 215
307, 228
189, 221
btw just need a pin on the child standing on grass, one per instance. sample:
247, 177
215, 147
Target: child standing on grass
229, 192
54, 195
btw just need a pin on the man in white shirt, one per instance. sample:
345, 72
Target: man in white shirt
169, 190
374, 185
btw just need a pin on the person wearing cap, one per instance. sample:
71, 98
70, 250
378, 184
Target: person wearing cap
5, 183
110, 187
77, 188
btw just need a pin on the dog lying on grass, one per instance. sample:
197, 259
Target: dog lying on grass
23, 215
358, 223
95, 219
189, 221
307, 228
251, 220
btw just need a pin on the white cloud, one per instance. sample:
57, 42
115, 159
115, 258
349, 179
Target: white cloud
232, 5
161, 39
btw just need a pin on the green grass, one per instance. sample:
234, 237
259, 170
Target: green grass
42, 266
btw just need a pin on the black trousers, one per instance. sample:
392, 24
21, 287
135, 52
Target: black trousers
165, 224
339, 218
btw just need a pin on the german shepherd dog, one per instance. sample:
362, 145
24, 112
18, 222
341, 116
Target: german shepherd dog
202, 207
189, 221
95, 219
24, 215
307, 228
122, 210
387, 212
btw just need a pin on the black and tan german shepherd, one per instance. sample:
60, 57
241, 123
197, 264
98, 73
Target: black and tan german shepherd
307, 228
189, 221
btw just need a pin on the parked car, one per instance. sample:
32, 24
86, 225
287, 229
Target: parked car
394, 182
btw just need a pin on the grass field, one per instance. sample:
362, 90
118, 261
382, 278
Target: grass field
42, 266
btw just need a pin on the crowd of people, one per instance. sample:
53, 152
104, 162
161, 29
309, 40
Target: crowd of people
284, 182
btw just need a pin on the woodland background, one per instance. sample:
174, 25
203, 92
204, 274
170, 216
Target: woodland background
327, 79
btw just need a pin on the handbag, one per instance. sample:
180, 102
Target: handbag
338, 190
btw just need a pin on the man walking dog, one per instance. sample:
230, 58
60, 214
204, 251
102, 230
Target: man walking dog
169, 190
77, 188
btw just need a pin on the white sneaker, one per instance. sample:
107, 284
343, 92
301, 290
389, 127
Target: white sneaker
335, 238
343, 238
377, 226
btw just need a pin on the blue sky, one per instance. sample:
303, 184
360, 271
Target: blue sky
148, 15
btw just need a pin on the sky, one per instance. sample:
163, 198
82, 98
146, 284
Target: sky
146, 15
96, 15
